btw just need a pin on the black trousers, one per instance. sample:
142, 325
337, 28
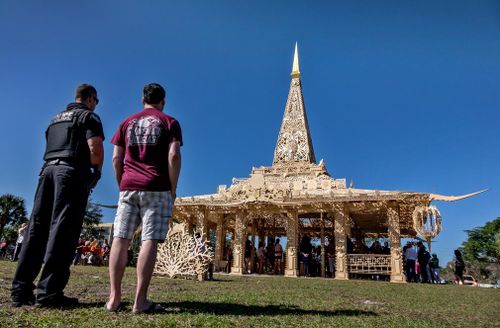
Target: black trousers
52, 233
423, 272
410, 270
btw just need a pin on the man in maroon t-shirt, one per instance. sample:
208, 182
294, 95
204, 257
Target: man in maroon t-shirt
147, 162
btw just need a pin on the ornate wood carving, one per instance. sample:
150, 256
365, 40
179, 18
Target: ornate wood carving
395, 239
340, 243
240, 227
369, 263
183, 254
292, 232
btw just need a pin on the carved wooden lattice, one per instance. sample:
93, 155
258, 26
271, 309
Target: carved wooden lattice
369, 263
427, 221
184, 255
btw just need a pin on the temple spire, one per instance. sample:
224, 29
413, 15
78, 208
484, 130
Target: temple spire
295, 68
294, 140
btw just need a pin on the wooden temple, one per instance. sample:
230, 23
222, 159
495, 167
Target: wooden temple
297, 196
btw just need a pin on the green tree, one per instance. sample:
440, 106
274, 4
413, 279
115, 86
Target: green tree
12, 211
481, 251
10, 234
482, 243
91, 220
497, 243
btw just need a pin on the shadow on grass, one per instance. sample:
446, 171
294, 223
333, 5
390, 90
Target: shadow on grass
255, 310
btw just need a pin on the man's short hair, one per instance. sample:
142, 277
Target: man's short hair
153, 93
85, 91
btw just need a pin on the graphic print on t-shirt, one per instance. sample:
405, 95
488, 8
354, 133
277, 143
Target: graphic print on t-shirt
144, 131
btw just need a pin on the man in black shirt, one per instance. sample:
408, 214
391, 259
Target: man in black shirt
73, 159
423, 260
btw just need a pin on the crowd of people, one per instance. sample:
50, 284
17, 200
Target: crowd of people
419, 265
310, 258
263, 259
90, 251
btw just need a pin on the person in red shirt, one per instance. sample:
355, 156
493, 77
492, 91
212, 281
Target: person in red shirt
147, 163
4, 246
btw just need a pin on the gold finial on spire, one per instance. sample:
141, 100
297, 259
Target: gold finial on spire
295, 68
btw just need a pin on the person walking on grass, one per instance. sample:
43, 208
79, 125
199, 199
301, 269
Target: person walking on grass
459, 268
73, 159
147, 163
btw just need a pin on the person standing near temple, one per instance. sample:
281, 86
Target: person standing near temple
73, 159
305, 253
331, 257
411, 258
261, 257
423, 260
248, 254
278, 256
459, 268
147, 163
435, 270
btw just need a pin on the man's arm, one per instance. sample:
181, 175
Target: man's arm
174, 165
118, 155
96, 151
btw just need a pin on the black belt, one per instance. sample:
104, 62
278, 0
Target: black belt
60, 162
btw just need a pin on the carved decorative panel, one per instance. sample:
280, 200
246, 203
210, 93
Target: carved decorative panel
294, 140
369, 263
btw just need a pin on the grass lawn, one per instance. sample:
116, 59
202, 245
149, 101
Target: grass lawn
252, 301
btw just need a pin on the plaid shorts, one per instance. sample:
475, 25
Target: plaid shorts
152, 209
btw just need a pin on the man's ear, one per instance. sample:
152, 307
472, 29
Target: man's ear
88, 102
142, 101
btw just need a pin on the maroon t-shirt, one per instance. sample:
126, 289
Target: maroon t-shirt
146, 137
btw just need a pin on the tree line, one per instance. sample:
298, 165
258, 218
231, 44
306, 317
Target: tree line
13, 213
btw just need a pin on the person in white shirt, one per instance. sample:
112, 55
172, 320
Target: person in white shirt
411, 258
19, 242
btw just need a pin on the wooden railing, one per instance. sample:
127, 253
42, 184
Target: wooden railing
369, 263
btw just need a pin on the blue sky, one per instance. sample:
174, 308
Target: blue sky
400, 95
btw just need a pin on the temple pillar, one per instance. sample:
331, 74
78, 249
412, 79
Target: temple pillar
239, 244
395, 240
292, 245
202, 229
340, 243
322, 235
220, 238
202, 223
252, 251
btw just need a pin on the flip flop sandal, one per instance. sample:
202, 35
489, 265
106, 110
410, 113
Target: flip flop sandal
119, 308
152, 309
